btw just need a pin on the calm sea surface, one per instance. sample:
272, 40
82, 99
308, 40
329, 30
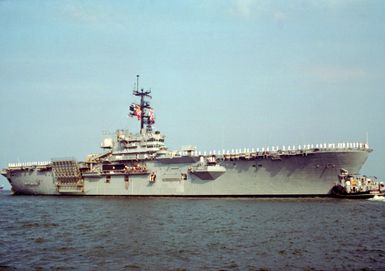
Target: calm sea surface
118, 233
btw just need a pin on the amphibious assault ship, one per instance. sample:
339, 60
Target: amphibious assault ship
140, 164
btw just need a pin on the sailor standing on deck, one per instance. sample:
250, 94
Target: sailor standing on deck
359, 185
347, 186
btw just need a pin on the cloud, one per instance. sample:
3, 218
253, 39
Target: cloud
258, 9
279, 15
243, 8
94, 15
331, 4
279, 11
82, 13
336, 74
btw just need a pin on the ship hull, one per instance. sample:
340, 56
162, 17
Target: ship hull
307, 174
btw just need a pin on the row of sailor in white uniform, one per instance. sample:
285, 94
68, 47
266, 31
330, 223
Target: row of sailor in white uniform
273, 149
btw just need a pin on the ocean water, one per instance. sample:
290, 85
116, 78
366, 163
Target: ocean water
119, 233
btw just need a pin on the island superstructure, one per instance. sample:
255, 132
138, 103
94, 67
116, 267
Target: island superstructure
140, 164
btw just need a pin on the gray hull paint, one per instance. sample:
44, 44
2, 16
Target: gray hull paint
299, 175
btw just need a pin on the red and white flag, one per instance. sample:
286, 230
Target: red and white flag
137, 112
152, 116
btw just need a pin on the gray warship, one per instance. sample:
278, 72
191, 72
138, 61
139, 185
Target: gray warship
140, 164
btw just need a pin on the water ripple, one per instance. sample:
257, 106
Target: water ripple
114, 233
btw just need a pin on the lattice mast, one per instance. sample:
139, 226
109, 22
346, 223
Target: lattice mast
142, 111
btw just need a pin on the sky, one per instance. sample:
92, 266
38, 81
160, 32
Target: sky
223, 74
